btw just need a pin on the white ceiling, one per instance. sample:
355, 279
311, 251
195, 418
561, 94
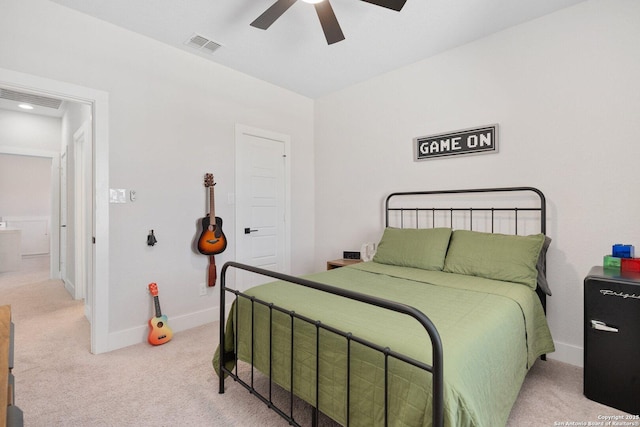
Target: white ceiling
293, 52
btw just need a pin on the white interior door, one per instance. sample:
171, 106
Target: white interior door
63, 217
83, 226
262, 194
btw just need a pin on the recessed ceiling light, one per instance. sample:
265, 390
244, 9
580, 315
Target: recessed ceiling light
313, 1
25, 106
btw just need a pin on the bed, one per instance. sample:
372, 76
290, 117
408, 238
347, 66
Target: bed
439, 329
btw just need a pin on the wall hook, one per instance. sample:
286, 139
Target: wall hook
151, 239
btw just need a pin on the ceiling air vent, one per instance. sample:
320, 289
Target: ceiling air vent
203, 44
29, 98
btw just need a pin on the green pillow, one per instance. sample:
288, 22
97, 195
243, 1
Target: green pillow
495, 256
423, 248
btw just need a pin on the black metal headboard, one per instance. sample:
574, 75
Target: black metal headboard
486, 205
509, 210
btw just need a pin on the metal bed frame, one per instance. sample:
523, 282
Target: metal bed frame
436, 369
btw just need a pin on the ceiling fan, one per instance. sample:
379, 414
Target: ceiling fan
328, 20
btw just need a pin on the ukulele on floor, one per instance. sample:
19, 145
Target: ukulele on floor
160, 332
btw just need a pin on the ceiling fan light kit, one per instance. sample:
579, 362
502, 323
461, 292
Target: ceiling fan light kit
328, 21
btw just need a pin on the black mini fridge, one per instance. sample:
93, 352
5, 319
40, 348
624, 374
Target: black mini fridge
612, 339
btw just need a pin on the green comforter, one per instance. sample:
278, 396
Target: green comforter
491, 331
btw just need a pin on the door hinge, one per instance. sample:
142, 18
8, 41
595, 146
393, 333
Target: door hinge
93, 239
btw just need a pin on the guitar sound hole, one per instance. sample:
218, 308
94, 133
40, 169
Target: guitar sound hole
160, 324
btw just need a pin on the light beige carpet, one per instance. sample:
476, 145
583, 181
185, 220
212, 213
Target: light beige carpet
59, 383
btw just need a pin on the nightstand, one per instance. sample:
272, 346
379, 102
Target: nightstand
337, 263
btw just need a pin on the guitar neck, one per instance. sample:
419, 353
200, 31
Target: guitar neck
156, 301
212, 203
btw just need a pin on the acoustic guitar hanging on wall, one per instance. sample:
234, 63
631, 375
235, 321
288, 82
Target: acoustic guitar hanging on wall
212, 240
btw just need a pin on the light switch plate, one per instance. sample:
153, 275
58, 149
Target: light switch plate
117, 195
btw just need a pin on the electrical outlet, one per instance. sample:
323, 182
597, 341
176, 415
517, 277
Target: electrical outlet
203, 289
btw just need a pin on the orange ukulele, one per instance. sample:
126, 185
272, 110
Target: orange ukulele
212, 240
160, 331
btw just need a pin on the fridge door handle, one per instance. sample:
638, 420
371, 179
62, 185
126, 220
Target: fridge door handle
601, 326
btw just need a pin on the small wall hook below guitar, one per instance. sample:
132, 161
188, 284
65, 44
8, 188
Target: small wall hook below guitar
151, 239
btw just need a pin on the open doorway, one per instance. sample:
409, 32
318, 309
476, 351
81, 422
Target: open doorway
95, 228
27, 185
45, 187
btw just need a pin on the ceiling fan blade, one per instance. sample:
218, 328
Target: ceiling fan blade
270, 15
329, 22
389, 4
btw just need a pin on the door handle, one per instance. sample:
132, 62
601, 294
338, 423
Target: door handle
249, 230
601, 326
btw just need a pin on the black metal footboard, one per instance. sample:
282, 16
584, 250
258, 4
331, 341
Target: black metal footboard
436, 369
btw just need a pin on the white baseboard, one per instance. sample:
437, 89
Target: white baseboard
568, 353
192, 320
87, 312
139, 334
70, 287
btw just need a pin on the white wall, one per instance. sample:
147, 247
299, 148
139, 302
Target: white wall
25, 186
171, 119
564, 89
29, 132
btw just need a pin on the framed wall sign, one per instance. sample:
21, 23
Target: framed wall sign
480, 140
